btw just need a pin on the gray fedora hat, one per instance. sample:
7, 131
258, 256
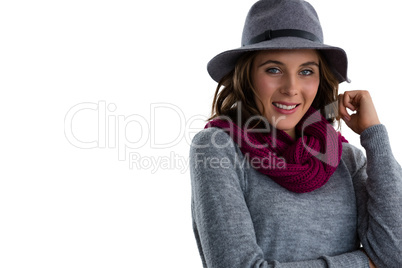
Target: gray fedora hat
281, 24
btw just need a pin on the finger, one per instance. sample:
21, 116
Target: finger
349, 99
343, 113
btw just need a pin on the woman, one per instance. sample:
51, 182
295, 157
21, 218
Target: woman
273, 183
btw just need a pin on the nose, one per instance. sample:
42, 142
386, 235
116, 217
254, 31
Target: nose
290, 85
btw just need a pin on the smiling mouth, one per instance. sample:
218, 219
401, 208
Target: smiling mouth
285, 107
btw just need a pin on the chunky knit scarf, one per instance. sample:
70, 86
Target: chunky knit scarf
301, 165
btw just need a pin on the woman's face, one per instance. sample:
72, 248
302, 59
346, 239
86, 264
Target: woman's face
287, 82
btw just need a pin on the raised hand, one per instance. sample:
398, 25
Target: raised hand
359, 101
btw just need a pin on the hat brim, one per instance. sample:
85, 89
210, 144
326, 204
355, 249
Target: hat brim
225, 62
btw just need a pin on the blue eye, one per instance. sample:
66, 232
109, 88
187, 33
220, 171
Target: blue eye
306, 72
273, 71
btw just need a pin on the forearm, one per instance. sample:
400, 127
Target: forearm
380, 205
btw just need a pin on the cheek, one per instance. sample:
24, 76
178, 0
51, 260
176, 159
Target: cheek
311, 90
265, 88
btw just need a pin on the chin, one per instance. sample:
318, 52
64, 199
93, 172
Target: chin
285, 122
286, 127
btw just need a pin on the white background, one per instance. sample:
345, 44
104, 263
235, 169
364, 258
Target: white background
65, 206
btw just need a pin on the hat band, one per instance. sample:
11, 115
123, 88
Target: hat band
271, 34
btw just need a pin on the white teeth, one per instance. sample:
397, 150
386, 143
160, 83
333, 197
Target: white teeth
285, 107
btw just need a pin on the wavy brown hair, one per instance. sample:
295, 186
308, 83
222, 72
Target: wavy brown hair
235, 92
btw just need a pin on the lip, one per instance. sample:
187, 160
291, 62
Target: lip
283, 111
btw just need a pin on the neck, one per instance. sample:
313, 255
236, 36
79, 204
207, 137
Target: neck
291, 133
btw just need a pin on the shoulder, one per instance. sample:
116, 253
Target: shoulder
214, 148
215, 159
211, 136
353, 158
213, 141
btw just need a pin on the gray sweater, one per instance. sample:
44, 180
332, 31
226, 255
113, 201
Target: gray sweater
241, 218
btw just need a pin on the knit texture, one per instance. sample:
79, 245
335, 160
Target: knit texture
243, 219
300, 166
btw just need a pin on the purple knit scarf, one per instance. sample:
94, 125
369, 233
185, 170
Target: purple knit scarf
301, 165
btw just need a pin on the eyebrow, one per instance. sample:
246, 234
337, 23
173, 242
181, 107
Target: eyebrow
310, 63
280, 63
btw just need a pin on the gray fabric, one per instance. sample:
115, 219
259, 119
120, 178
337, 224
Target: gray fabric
278, 15
242, 218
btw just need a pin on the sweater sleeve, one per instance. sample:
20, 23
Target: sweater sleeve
221, 220
378, 185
